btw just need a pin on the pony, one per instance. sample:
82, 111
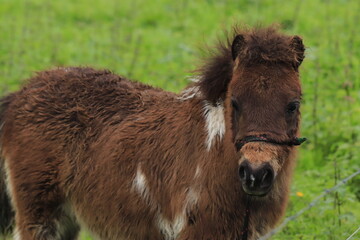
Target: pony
87, 148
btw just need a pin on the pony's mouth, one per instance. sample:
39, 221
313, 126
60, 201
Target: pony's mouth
256, 192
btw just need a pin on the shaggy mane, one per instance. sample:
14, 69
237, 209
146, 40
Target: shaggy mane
261, 46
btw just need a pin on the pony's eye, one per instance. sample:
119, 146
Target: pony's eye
292, 107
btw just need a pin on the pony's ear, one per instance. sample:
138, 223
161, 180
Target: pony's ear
237, 45
299, 49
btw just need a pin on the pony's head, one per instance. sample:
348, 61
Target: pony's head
264, 96
261, 92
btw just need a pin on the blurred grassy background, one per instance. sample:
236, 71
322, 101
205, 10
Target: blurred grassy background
158, 42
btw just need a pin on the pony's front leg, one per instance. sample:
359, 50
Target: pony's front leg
53, 229
35, 231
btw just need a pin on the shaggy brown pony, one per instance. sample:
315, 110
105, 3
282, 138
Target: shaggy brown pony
124, 160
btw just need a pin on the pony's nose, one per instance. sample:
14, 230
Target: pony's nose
256, 181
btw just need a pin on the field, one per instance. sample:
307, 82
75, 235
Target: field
160, 42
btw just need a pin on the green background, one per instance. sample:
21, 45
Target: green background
159, 42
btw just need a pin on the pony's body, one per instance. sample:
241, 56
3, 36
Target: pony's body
128, 161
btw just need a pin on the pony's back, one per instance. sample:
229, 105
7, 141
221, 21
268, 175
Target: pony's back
72, 99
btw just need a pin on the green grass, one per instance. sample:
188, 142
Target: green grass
157, 42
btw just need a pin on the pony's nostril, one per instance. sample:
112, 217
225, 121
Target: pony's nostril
267, 178
242, 173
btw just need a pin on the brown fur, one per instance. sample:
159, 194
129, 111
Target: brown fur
129, 161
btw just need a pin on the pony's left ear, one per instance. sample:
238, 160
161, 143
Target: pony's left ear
237, 45
299, 49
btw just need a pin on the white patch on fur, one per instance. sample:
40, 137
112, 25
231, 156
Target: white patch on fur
140, 184
66, 69
178, 224
8, 184
197, 172
192, 198
171, 230
214, 122
189, 93
194, 79
16, 234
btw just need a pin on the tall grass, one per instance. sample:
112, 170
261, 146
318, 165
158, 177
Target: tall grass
157, 42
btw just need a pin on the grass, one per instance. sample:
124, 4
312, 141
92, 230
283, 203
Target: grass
157, 42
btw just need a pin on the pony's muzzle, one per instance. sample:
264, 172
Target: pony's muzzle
256, 181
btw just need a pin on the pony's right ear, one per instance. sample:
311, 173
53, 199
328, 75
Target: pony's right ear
237, 45
298, 46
